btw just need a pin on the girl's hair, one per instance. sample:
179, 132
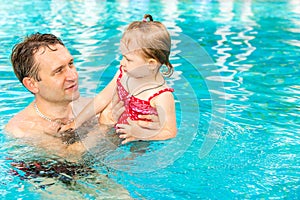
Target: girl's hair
22, 56
151, 38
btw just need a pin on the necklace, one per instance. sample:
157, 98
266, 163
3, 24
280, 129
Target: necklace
69, 136
41, 114
59, 121
151, 88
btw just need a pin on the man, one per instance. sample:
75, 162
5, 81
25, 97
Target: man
45, 67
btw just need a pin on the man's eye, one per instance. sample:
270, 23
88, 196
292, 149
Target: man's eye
59, 70
71, 64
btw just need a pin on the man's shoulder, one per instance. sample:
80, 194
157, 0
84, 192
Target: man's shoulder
13, 127
17, 124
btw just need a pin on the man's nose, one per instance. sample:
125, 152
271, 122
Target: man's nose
72, 73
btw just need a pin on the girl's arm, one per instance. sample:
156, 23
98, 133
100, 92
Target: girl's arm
165, 106
98, 103
95, 106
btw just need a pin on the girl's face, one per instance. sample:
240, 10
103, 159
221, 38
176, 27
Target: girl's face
135, 65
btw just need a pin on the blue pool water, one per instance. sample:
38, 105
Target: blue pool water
236, 86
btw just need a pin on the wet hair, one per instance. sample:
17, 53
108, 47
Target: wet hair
23, 54
151, 39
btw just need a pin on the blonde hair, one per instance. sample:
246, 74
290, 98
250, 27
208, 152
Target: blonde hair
151, 38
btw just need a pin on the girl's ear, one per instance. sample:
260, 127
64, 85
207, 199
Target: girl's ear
30, 84
153, 64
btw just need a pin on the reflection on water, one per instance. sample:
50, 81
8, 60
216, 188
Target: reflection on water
294, 7
236, 79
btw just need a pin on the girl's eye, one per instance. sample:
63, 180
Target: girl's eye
126, 58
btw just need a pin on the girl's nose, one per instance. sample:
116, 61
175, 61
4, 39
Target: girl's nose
122, 61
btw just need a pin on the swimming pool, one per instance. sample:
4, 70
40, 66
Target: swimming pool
236, 87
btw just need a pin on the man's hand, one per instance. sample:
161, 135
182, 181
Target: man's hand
112, 112
53, 127
117, 108
139, 130
153, 124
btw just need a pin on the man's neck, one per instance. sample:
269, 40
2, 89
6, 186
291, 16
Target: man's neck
54, 110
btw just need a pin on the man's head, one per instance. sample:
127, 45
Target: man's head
45, 67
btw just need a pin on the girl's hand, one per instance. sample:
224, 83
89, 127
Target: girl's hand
66, 127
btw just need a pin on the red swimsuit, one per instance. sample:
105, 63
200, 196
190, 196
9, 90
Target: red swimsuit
135, 106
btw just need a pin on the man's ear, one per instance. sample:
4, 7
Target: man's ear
30, 84
153, 64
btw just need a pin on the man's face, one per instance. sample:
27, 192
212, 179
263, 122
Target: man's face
59, 78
